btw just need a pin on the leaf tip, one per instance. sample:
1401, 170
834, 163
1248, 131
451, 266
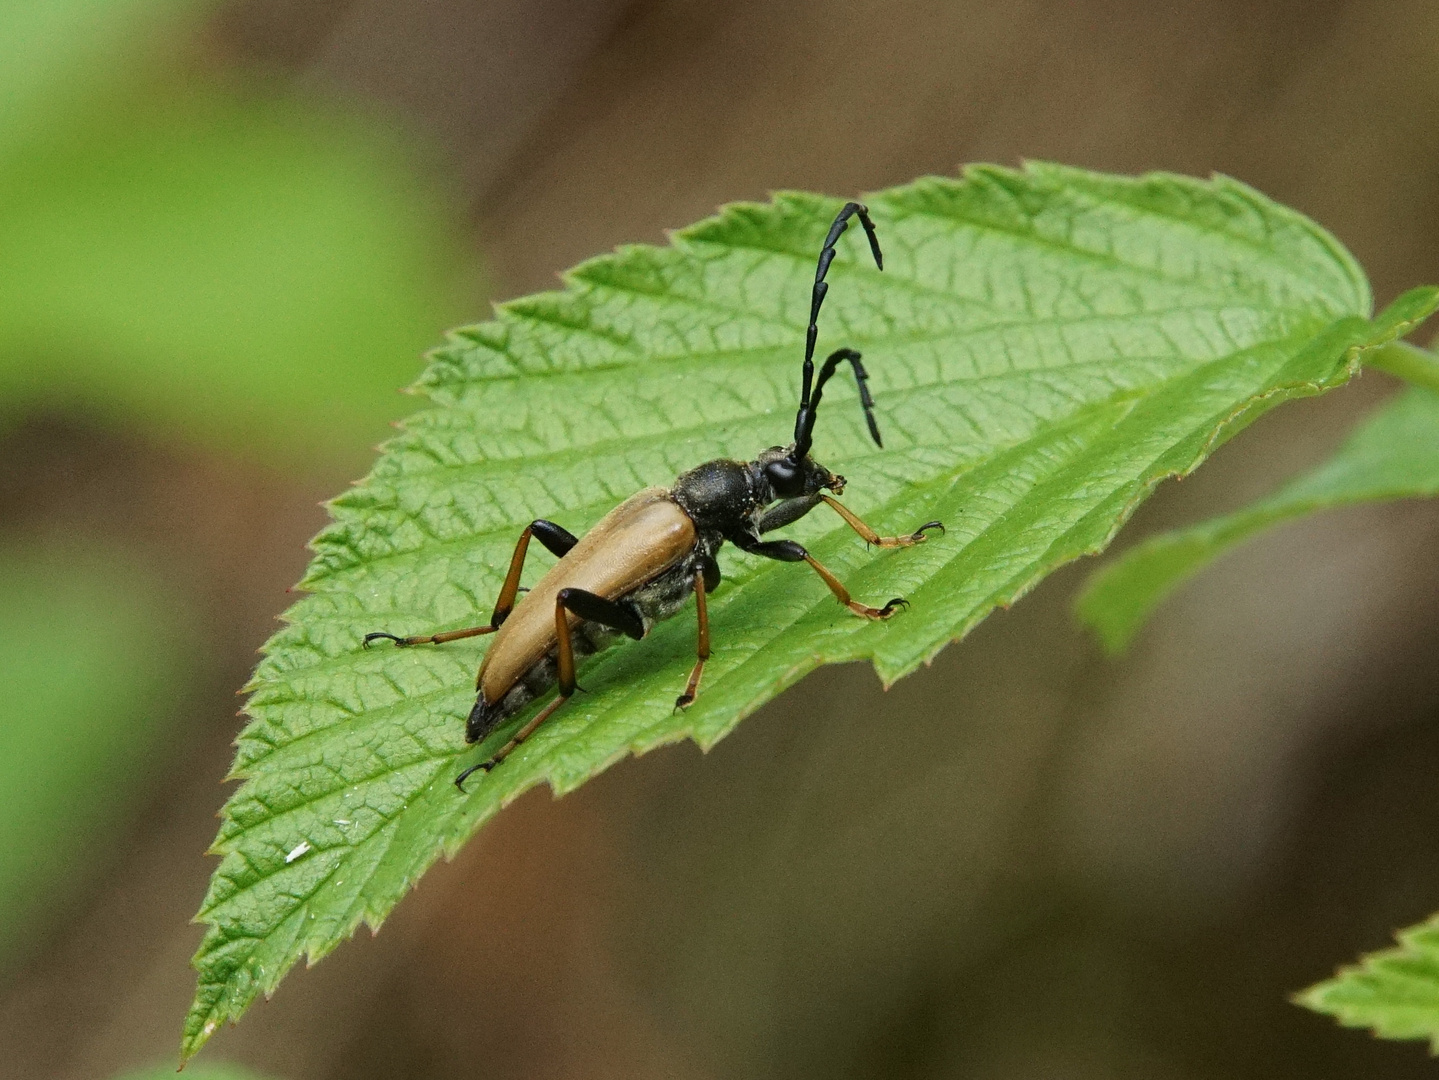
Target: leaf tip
1111, 609
192, 1041
1309, 998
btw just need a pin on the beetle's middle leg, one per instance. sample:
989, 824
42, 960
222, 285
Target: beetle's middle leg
591, 608
789, 551
557, 540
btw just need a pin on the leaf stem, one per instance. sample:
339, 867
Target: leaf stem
1407, 362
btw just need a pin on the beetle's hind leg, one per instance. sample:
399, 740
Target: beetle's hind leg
428, 639
591, 608
557, 540
702, 648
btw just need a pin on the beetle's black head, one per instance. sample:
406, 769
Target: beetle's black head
788, 477
794, 472
724, 495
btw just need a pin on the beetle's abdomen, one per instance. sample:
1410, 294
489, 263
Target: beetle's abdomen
633, 544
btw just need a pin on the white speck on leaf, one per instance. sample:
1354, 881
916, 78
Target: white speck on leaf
342, 821
298, 850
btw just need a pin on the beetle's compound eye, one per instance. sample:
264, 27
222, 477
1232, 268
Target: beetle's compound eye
785, 478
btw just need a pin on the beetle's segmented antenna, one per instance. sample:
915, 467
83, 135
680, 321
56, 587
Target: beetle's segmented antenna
861, 379
804, 421
821, 287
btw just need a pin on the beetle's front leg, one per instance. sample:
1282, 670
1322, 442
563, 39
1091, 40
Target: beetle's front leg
786, 512
872, 537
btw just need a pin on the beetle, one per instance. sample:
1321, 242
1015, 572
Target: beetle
639, 564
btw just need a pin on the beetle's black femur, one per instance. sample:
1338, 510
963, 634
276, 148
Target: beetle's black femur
809, 403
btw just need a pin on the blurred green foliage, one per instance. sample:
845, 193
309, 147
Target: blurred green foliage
201, 254
191, 251
91, 656
59, 53
196, 1072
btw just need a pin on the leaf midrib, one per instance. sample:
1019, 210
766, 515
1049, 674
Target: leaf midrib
330, 543
474, 404
535, 460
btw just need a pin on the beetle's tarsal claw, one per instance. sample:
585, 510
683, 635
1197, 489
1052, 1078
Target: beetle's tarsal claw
377, 635
919, 534
864, 611
484, 766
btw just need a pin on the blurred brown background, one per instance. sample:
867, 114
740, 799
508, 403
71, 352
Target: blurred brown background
1104, 869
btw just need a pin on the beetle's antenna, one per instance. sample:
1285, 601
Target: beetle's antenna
804, 421
804, 426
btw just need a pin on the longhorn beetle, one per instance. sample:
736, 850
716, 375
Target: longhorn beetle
640, 563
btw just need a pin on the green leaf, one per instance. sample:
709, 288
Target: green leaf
1045, 346
1392, 455
1395, 992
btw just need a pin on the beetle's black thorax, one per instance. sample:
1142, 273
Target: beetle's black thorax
728, 498
721, 495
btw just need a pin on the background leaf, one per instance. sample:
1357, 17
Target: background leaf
1394, 992
1392, 455
200, 1072
56, 56
92, 650
1045, 346
253, 268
